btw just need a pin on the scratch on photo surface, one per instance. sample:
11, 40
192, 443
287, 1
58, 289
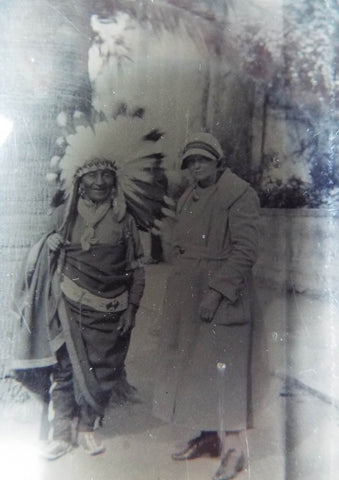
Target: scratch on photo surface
300, 316
248, 455
307, 370
29, 134
187, 471
15, 143
26, 324
22, 317
64, 16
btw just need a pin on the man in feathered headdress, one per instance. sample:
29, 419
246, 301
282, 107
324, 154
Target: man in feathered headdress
84, 281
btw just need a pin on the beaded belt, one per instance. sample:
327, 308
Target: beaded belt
78, 294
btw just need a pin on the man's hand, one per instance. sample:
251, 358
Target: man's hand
127, 320
55, 242
209, 305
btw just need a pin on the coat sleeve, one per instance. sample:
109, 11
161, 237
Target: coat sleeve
138, 279
243, 219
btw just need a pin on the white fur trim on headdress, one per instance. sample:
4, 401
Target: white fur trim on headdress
93, 165
129, 146
118, 142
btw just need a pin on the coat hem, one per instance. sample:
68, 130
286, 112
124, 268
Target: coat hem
26, 364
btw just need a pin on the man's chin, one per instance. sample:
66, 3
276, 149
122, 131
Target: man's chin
98, 196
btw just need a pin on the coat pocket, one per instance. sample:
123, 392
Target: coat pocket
233, 313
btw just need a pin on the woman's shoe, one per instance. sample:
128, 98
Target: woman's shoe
204, 445
231, 464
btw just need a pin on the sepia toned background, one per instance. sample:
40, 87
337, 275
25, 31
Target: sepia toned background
261, 75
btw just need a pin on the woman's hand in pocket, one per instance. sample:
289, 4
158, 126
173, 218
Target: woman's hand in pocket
209, 305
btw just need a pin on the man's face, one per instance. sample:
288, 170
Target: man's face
98, 185
203, 170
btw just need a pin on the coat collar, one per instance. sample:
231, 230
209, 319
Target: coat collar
229, 188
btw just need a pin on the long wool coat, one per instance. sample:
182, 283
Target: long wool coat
203, 374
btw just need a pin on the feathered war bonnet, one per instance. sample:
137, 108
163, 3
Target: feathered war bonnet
126, 145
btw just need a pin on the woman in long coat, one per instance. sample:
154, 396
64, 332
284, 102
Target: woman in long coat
203, 378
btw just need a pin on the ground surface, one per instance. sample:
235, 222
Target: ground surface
296, 434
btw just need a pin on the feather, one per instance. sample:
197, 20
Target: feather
156, 232
169, 201
133, 147
158, 224
54, 163
169, 213
58, 198
51, 177
153, 136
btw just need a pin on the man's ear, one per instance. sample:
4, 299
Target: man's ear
221, 163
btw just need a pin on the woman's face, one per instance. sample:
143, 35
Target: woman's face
203, 170
98, 185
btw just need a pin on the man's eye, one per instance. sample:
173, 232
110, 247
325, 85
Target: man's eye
108, 175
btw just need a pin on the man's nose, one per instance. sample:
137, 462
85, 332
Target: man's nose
99, 179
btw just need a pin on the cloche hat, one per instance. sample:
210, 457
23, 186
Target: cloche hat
203, 144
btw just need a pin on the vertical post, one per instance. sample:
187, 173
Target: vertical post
221, 376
